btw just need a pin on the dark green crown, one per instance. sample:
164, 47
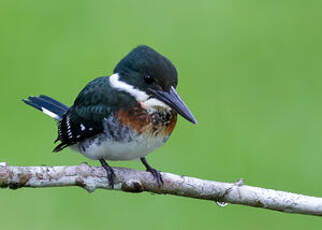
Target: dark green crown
143, 62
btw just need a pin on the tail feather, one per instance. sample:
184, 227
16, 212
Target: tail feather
47, 105
53, 101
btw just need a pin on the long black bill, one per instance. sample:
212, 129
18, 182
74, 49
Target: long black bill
173, 100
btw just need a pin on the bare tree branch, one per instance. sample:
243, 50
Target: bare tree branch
129, 180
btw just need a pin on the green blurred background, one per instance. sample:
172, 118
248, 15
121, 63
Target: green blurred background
249, 70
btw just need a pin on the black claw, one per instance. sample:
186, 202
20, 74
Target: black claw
109, 171
156, 173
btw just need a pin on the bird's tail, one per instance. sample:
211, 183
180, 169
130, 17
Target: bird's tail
47, 105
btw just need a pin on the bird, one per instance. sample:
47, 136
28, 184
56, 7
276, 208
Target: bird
124, 116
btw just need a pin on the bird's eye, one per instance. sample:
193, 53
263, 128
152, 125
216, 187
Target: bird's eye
148, 79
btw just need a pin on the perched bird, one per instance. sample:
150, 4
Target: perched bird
124, 116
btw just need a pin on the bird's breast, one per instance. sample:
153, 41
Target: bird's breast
156, 122
130, 134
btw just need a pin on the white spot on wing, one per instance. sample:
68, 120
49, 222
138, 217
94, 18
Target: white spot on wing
49, 113
120, 85
69, 131
82, 126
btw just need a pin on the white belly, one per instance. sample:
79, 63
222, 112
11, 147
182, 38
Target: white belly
101, 147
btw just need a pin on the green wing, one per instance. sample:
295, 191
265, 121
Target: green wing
95, 101
85, 118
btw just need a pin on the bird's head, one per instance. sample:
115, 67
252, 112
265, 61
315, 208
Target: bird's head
152, 78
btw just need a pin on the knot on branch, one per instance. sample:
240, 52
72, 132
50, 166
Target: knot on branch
132, 185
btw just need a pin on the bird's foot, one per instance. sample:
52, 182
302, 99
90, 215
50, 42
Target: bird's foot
157, 175
109, 171
110, 177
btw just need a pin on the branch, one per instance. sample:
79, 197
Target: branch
129, 180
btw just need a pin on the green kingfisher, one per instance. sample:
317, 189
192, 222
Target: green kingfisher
124, 116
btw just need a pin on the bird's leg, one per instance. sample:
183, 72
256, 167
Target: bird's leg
109, 172
156, 174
